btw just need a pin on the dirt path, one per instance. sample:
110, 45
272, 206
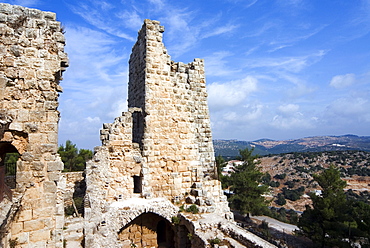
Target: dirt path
278, 225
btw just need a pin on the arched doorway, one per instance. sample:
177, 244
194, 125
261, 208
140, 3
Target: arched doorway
148, 230
8, 168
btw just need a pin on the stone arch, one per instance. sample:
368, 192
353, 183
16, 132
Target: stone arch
148, 230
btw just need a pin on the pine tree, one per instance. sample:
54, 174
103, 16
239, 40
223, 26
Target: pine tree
325, 222
73, 158
220, 163
246, 184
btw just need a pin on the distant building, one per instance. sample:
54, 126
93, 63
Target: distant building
229, 168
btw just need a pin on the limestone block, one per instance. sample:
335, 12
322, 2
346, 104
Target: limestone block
50, 187
33, 225
16, 228
43, 212
25, 215
37, 165
55, 166
22, 238
39, 235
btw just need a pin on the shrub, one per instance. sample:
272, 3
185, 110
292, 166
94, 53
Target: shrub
280, 199
181, 208
175, 220
274, 184
214, 241
193, 209
280, 176
264, 225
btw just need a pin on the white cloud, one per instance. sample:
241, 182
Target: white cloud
343, 81
93, 119
288, 109
350, 109
95, 85
296, 121
230, 93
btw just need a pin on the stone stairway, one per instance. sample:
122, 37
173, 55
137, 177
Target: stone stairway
73, 232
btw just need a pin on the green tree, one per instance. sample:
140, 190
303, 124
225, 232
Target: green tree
361, 215
246, 185
325, 222
11, 163
220, 163
280, 199
73, 158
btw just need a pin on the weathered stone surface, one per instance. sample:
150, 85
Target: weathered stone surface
156, 155
31, 56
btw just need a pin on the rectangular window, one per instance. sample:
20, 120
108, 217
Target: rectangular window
137, 184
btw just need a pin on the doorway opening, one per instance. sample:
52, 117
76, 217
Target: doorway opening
137, 184
9, 156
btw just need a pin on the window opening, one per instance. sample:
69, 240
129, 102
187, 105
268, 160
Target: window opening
137, 184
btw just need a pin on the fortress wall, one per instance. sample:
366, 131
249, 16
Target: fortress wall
32, 60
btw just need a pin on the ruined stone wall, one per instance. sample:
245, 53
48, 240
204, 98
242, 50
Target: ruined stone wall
32, 60
173, 150
160, 149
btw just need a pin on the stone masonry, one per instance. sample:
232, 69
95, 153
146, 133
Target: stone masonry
160, 150
157, 159
32, 60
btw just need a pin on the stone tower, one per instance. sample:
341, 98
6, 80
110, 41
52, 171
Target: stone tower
32, 60
157, 156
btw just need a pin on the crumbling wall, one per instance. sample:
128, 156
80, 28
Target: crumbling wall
160, 149
32, 60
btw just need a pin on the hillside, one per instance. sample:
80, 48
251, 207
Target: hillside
230, 148
291, 174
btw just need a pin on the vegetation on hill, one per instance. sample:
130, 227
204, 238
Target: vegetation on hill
333, 220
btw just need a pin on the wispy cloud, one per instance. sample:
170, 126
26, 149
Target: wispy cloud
290, 39
99, 15
292, 64
220, 30
343, 81
244, 3
218, 64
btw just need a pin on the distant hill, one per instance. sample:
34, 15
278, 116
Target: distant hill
230, 148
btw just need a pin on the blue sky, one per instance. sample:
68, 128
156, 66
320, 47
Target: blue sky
278, 69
